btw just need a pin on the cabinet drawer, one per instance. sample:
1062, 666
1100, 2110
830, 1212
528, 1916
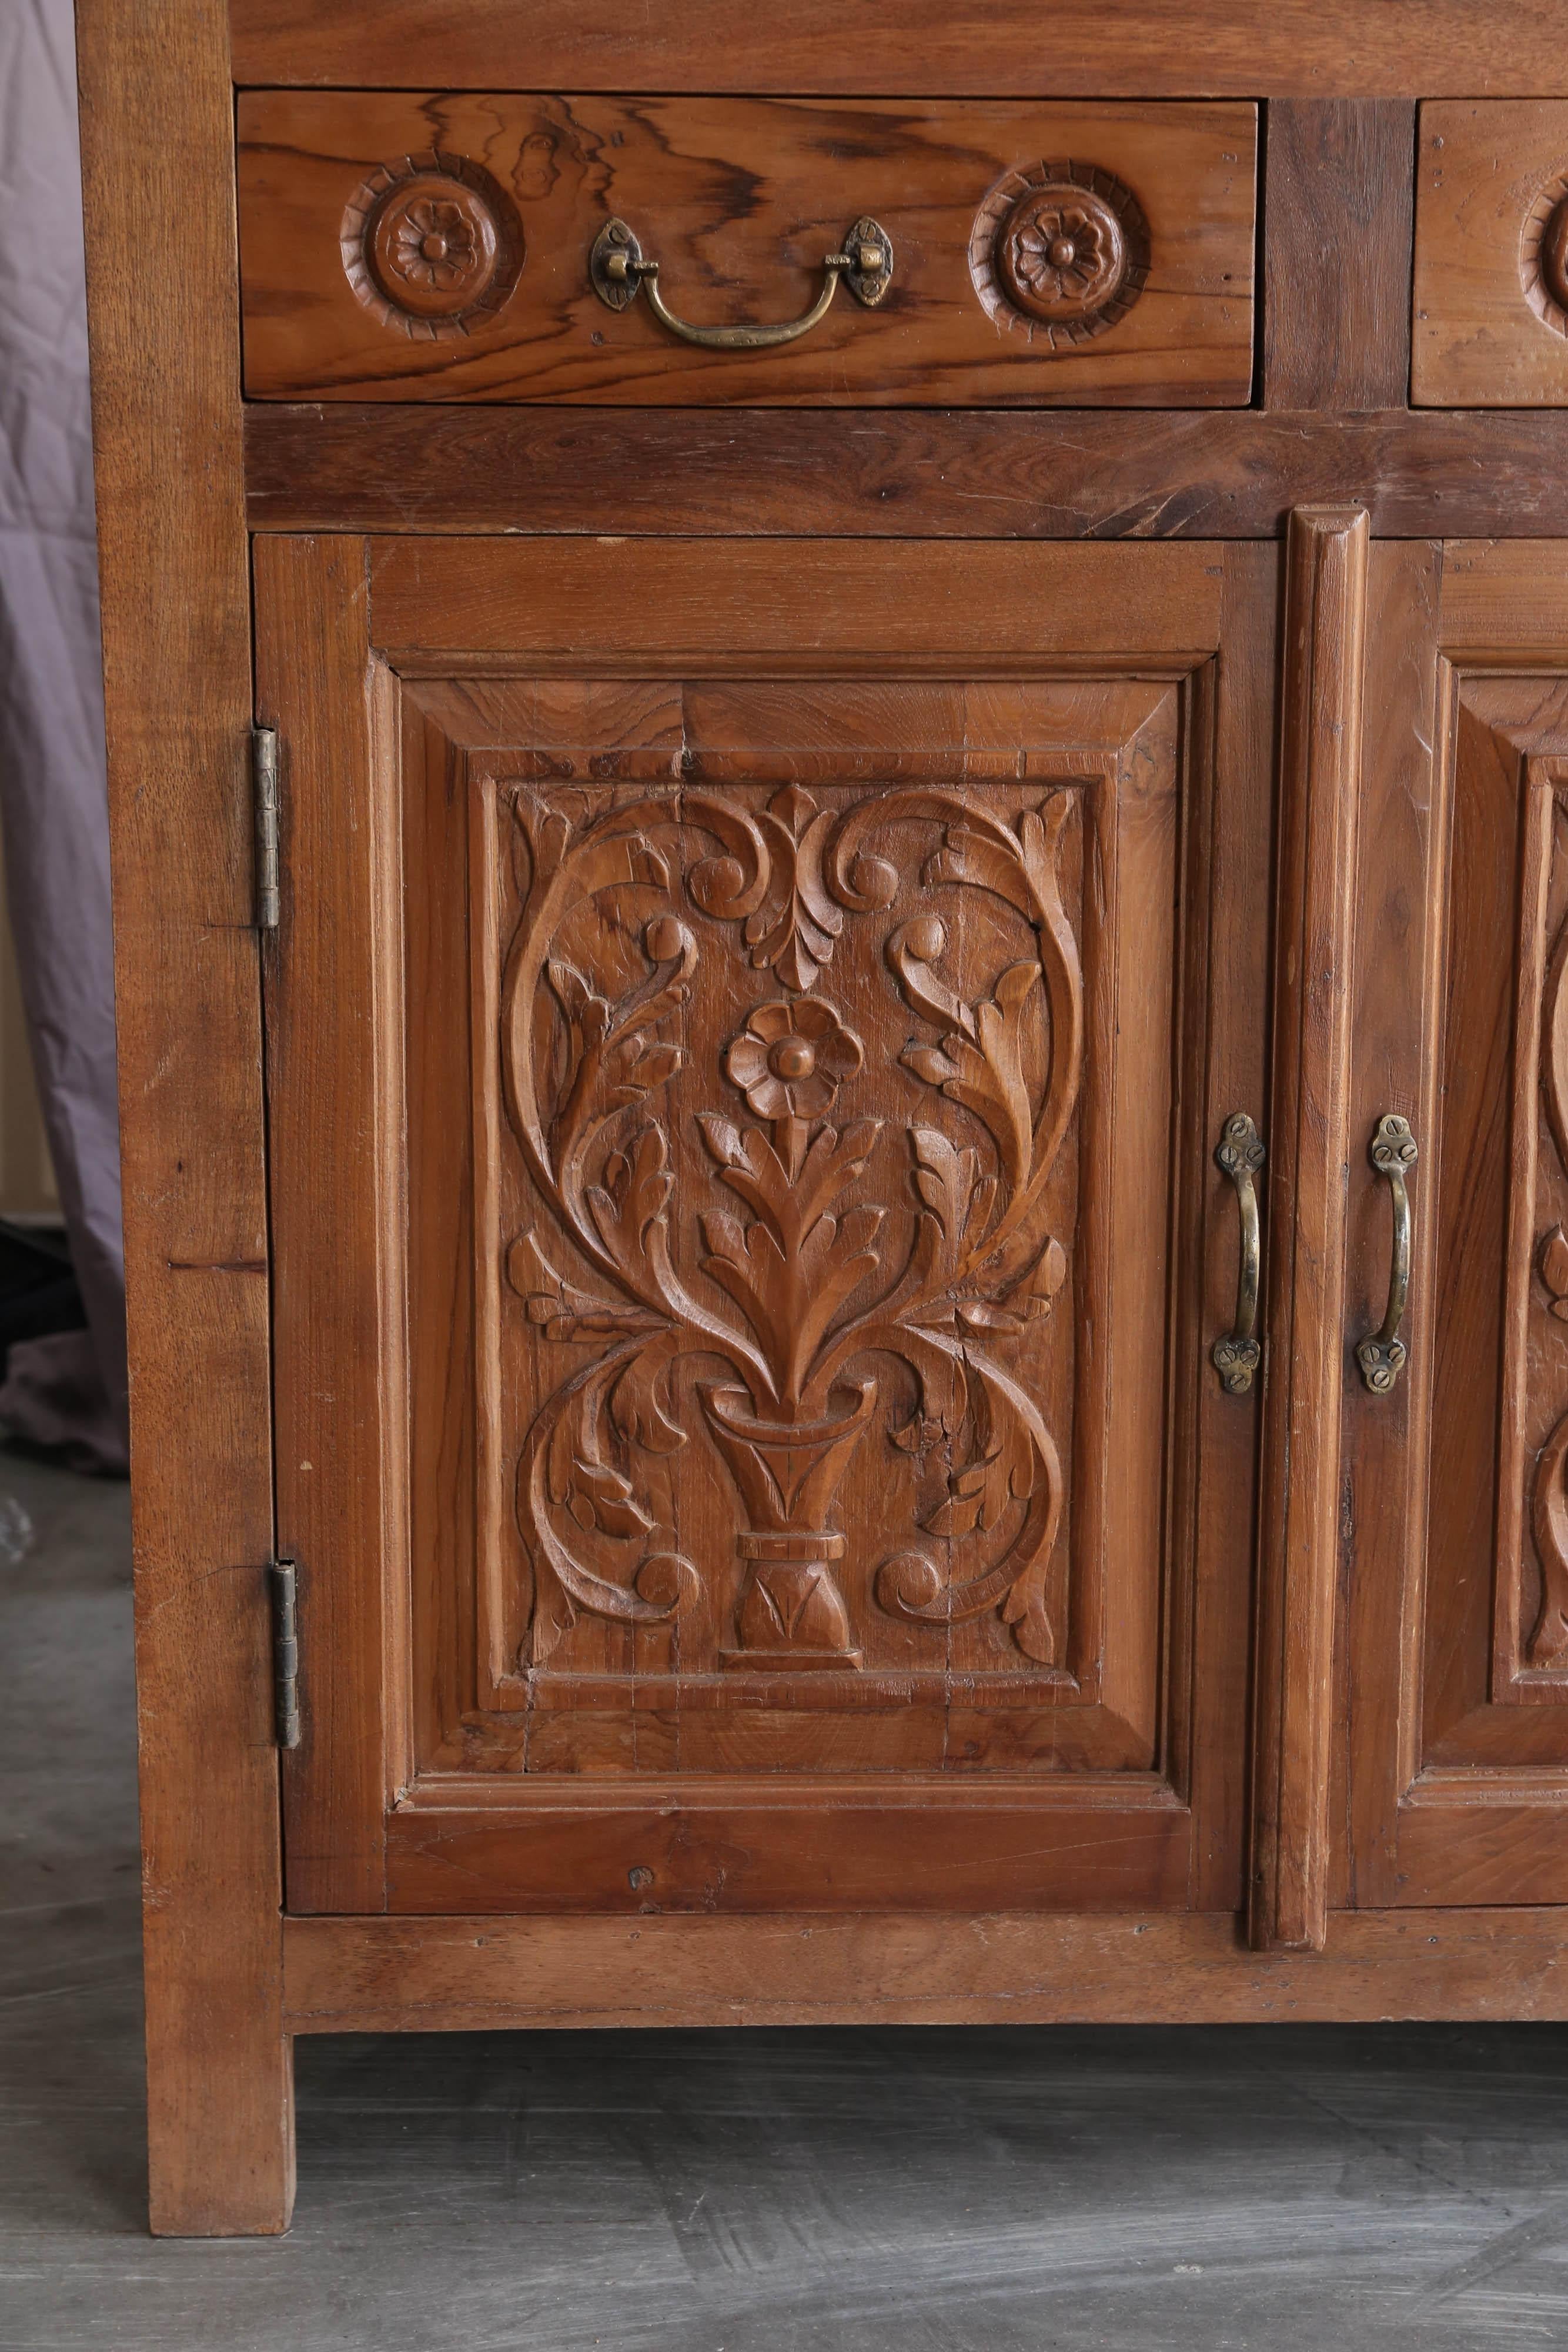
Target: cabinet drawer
401, 247
1490, 327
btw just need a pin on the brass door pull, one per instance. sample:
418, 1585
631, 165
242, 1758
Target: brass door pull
616, 268
1239, 1152
1381, 1355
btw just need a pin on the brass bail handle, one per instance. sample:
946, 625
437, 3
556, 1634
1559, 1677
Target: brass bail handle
1383, 1355
617, 268
1239, 1154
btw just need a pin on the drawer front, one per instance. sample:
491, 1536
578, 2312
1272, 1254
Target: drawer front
400, 248
1491, 327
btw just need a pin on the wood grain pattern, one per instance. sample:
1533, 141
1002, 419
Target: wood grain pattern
739, 200
439, 606
1505, 604
353, 1976
1136, 47
1462, 1841
155, 139
1338, 216
1326, 604
915, 475
1489, 333
1113, 1842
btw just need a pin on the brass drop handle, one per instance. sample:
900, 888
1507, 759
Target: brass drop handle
1239, 1153
1383, 1355
617, 268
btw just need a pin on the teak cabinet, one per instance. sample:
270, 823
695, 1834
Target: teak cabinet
840, 774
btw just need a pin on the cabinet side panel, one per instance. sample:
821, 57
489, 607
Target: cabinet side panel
158, 169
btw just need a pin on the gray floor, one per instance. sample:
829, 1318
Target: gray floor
981, 2192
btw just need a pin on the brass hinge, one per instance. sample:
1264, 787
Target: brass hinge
282, 1579
264, 785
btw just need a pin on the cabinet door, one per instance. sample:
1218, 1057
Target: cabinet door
1456, 1501
747, 1040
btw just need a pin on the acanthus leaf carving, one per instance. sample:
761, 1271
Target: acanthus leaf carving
1547, 1646
815, 1305
1554, 1044
1552, 1261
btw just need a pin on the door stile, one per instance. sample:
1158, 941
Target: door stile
1399, 995
1235, 727
334, 1063
1319, 781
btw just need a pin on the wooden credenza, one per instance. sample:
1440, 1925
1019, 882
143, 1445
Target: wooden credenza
841, 790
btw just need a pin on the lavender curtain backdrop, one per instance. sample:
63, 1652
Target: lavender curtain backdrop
69, 1390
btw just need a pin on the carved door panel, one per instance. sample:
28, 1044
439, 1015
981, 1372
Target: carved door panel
1456, 1498
746, 1041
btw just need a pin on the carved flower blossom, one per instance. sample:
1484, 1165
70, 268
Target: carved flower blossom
1059, 255
790, 1060
435, 245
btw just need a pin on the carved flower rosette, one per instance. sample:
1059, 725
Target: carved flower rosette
791, 1078
432, 245
1058, 251
1544, 254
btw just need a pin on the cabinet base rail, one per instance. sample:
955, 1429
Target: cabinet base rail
429, 1975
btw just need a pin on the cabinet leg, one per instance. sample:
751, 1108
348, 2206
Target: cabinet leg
220, 2113
220, 2066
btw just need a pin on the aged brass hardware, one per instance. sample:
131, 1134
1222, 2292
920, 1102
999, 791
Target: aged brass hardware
616, 268
1239, 1153
1381, 1355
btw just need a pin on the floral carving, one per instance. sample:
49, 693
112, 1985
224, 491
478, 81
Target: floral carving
1553, 1262
804, 1308
791, 1058
1543, 254
1548, 1643
432, 246
1061, 254
1060, 251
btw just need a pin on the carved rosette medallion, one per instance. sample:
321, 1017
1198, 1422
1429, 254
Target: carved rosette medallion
1543, 254
432, 245
1060, 251
712, 1230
